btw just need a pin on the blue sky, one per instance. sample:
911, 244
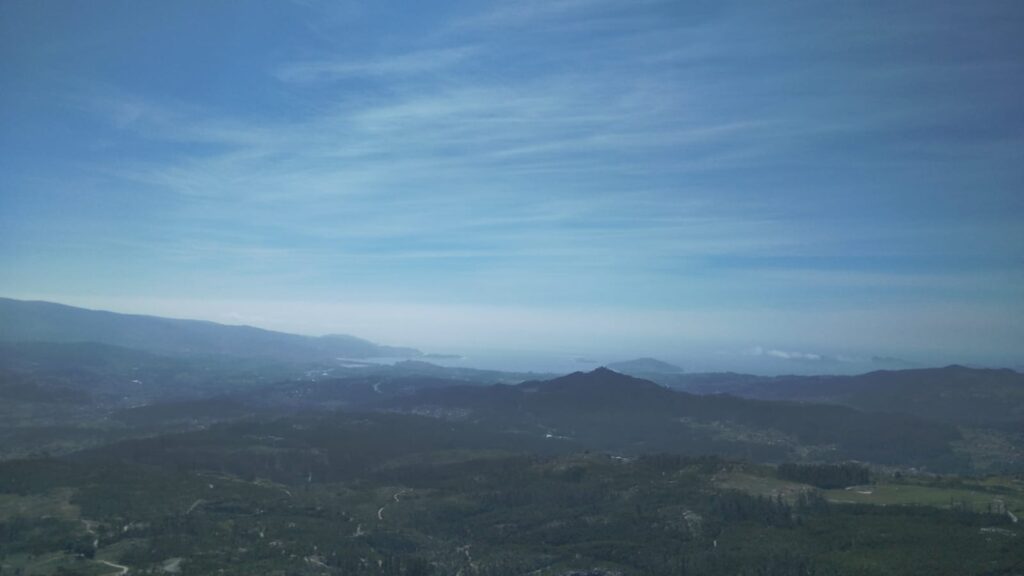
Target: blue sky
791, 183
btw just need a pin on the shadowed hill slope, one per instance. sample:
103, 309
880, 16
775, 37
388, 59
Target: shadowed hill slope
955, 394
611, 411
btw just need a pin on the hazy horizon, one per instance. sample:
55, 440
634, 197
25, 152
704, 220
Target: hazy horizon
793, 187
560, 352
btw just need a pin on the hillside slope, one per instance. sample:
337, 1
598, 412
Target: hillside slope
610, 411
24, 321
954, 394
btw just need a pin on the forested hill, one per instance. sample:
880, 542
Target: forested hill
610, 411
24, 321
955, 394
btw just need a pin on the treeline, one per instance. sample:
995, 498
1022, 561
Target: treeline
825, 476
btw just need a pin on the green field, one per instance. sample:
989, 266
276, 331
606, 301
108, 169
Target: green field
56, 503
978, 495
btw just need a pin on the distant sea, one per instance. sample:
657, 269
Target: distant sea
505, 361
695, 361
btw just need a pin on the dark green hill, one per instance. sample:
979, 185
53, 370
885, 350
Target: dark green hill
954, 394
610, 411
135, 376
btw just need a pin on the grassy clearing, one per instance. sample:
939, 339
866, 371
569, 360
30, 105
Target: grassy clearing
979, 496
759, 485
55, 504
47, 564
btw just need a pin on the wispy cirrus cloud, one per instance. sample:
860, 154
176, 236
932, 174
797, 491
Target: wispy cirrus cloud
532, 12
396, 65
435, 164
772, 162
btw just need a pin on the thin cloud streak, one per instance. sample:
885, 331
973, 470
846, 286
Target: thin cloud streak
413, 63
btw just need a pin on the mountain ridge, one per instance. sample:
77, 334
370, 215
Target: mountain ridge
611, 411
41, 321
954, 393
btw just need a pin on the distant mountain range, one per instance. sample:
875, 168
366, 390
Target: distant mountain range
60, 364
30, 321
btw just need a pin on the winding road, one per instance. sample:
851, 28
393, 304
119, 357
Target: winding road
193, 506
90, 527
380, 511
120, 569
